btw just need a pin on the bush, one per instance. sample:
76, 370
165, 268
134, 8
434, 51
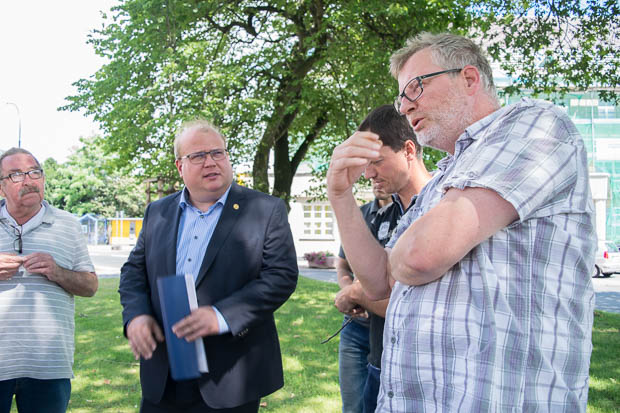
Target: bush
320, 257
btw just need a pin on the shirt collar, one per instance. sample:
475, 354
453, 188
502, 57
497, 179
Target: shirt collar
396, 199
184, 200
43, 216
374, 207
471, 133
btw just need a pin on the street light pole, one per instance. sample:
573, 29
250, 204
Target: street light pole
19, 119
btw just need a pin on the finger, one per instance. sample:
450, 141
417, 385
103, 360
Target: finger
364, 138
10, 267
6, 276
30, 257
185, 326
37, 257
159, 335
355, 151
145, 347
11, 258
193, 336
144, 342
30, 262
135, 352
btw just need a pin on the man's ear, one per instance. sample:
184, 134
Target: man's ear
410, 150
179, 166
471, 74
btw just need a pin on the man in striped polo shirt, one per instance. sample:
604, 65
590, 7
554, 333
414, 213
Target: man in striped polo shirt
44, 262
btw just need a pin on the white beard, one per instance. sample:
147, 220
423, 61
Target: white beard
446, 122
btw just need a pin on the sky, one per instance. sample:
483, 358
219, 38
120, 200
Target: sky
43, 50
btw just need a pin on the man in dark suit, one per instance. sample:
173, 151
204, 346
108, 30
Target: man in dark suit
237, 244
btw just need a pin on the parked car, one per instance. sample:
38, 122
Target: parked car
607, 259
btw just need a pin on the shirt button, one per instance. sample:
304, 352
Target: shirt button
390, 394
202, 216
404, 293
393, 340
195, 236
189, 259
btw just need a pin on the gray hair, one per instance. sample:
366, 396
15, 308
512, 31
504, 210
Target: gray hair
198, 124
15, 151
449, 51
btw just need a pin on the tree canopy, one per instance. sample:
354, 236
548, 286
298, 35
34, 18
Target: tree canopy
555, 46
291, 79
85, 183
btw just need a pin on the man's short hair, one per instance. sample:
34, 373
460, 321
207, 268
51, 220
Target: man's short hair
15, 151
198, 124
449, 51
392, 128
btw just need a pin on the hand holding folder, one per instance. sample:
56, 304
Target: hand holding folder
177, 296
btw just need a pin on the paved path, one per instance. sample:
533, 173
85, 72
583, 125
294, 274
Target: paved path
108, 263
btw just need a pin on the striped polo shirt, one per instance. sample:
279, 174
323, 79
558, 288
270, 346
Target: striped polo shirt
37, 315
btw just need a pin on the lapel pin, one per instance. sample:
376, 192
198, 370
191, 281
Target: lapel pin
235, 206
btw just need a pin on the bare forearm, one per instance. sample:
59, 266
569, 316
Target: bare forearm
80, 283
358, 296
365, 255
441, 238
343, 273
378, 307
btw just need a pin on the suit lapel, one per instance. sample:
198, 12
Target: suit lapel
230, 214
169, 246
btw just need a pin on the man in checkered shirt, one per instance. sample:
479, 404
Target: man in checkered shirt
491, 303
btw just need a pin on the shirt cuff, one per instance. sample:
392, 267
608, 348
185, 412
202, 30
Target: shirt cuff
221, 322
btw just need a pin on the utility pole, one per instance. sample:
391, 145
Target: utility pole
19, 119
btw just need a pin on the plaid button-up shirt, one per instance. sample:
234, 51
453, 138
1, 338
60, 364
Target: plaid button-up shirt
508, 328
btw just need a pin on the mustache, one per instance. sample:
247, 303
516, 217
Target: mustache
28, 189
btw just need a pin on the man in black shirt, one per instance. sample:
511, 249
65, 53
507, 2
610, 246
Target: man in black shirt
354, 348
399, 171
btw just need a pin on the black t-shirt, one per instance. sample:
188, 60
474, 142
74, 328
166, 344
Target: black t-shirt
382, 226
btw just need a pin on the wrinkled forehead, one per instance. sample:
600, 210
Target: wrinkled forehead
19, 162
419, 64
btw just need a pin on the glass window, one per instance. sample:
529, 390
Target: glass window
318, 221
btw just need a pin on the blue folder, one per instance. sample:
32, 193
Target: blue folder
187, 360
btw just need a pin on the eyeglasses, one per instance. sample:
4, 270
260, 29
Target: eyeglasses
346, 323
20, 176
200, 157
17, 233
414, 88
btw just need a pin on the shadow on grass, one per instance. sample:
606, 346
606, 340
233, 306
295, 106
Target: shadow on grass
310, 368
107, 376
107, 380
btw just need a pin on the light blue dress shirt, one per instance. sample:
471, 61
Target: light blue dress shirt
195, 231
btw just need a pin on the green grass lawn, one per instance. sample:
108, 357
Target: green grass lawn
106, 375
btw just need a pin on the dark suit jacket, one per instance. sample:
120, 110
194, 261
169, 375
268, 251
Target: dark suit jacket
249, 270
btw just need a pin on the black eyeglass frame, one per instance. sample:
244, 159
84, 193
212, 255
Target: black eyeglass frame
203, 154
419, 79
18, 244
13, 175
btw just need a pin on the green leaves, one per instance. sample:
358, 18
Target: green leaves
551, 47
288, 80
88, 182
